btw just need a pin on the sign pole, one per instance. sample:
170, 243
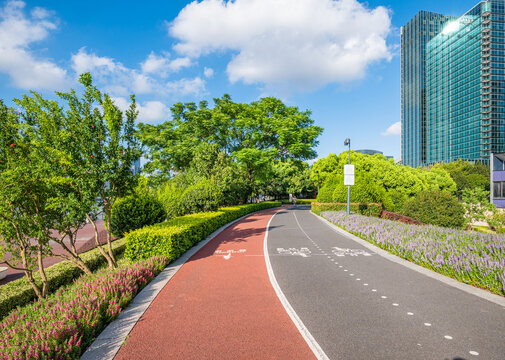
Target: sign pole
348, 176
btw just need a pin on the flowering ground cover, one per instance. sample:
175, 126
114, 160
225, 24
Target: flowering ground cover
62, 326
473, 258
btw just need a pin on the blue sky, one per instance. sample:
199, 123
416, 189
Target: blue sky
338, 58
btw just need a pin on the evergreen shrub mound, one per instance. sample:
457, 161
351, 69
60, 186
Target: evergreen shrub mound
326, 192
201, 197
173, 237
436, 208
19, 292
364, 191
134, 212
363, 209
170, 194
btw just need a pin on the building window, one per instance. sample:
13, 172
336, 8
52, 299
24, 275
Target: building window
499, 190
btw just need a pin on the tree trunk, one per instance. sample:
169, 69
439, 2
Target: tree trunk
42, 272
72, 256
29, 275
110, 262
109, 237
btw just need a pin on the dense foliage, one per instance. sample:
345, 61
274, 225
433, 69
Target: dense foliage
473, 258
63, 325
135, 211
244, 149
174, 237
366, 209
436, 208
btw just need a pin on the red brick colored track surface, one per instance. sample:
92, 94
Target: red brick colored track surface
220, 305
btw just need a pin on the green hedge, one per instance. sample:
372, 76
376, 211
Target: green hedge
360, 208
19, 292
300, 201
172, 238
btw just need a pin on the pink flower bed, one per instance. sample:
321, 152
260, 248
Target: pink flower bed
62, 326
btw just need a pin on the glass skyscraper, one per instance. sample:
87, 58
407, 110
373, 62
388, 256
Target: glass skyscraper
460, 93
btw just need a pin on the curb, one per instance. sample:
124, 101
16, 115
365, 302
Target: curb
110, 340
483, 294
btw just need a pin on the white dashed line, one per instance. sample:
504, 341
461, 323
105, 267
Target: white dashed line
358, 279
365, 284
410, 313
448, 337
340, 266
427, 324
474, 353
346, 270
374, 290
384, 297
395, 304
351, 274
329, 257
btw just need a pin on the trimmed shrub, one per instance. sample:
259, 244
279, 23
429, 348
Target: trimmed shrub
326, 192
436, 208
134, 212
62, 326
19, 292
365, 190
170, 194
300, 201
172, 238
201, 197
363, 209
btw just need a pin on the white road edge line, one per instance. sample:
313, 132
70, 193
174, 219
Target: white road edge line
314, 346
483, 294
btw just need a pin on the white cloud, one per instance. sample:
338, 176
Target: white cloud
194, 86
395, 129
208, 72
162, 65
303, 44
150, 79
149, 111
17, 34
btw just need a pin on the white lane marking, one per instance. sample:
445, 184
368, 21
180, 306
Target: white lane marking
345, 270
427, 324
303, 252
365, 284
358, 279
351, 274
410, 313
314, 346
384, 297
395, 304
351, 252
474, 353
228, 253
374, 290
329, 257
448, 337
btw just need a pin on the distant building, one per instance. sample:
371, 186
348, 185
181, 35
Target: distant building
453, 85
372, 152
136, 167
498, 179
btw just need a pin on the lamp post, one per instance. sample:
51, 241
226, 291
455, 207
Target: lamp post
348, 142
317, 172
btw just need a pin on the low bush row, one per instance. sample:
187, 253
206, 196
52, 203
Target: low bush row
300, 201
172, 238
63, 325
359, 208
19, 292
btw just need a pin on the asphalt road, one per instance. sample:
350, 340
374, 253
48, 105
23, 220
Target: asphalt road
359, 305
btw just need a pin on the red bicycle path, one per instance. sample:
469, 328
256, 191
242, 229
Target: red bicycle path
220, 305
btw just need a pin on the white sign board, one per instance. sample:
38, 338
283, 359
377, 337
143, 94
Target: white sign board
348, 174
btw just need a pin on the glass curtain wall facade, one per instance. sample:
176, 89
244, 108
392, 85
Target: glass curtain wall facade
414, 37
453, 90
463, 87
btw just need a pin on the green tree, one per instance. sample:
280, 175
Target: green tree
24, 193
477, 205
253, 135
102, 148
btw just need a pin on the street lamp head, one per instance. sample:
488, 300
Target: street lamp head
347, 141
